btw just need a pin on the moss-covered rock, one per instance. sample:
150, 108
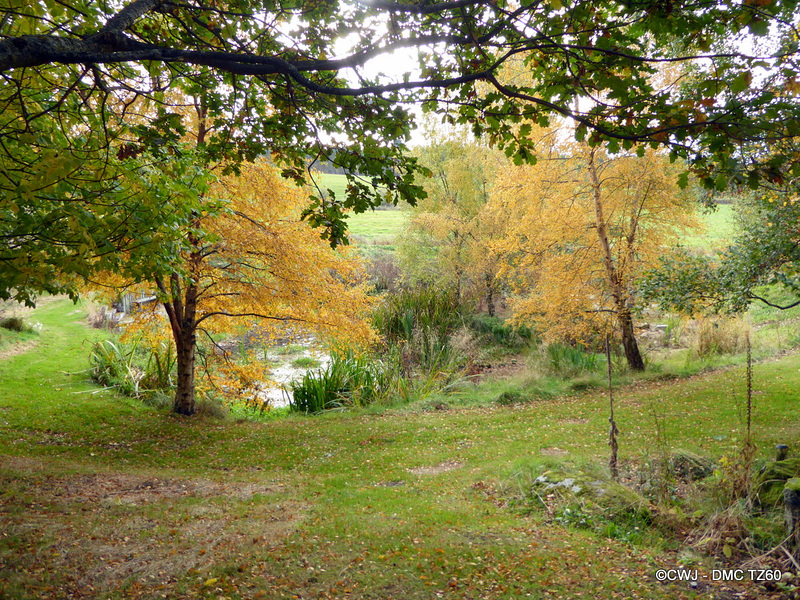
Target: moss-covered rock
689, 466
597, 493
769, 483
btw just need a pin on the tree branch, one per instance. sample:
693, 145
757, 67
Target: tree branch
778, 306
128, 16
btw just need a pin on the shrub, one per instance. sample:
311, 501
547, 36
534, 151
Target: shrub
384, 273
14, 324
348, 380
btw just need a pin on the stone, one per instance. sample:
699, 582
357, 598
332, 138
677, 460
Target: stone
781, 451
791, 503
610, 498
769, 483
689, 466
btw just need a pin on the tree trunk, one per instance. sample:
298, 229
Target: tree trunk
184, 403
629, 343
186, 345
489, 295
182, 312
615, 278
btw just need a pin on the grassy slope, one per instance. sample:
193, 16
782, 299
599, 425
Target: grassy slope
101, 489
718, 229
374, 231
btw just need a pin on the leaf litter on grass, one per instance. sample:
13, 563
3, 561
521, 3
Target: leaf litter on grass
85, 534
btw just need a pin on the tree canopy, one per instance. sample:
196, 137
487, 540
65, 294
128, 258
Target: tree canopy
250, 265
293, 80
582, 227
761, 263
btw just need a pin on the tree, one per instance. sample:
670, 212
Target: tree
446, 242
582, 229
289, 79
251, 263
762, 262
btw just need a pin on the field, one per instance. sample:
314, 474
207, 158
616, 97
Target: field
717, 228
106, 497
377, 230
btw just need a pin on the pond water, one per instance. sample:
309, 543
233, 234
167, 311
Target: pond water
290, 364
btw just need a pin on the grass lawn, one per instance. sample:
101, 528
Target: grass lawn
718, 229
374, 231
101, 496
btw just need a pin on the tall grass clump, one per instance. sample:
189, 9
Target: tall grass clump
349, 380
133, 370
417, 324
15, 324
720, 336
493, 330
563, 359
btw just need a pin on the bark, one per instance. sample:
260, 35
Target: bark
182, 314
489, 295
184, 403
186, 345
629, 343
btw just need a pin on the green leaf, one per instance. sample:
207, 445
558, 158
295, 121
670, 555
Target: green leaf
741, 82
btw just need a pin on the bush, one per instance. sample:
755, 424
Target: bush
348, 380
14, 324
384, 273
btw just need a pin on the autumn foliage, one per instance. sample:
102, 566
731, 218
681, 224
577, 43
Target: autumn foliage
581, 227
254, 267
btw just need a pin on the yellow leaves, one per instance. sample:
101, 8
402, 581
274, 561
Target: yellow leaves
262, 267
552, 255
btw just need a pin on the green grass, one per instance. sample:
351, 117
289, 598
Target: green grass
305, 362
717, 229
9, 338
379, 224
374, 231
99, 490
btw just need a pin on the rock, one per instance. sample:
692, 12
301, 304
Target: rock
689, 466
781, 452
791, 503
605, 495
769, 483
